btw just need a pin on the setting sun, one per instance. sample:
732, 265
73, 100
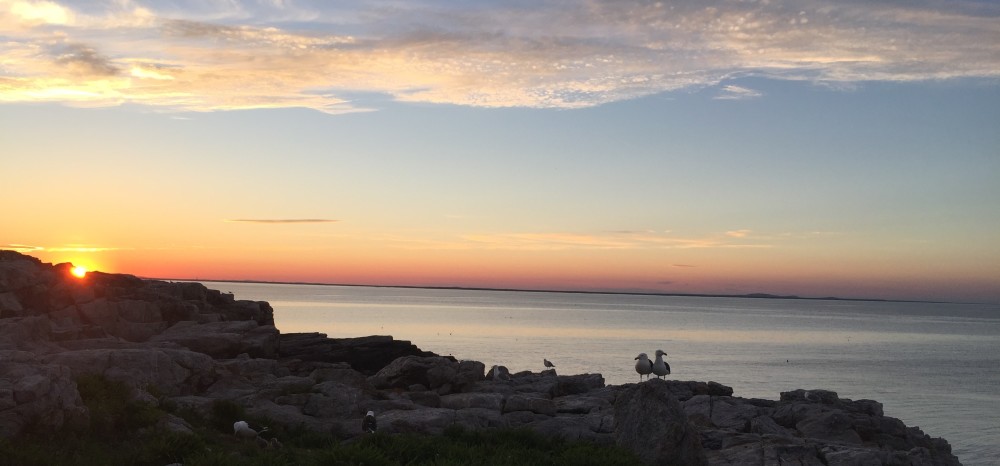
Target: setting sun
79, 271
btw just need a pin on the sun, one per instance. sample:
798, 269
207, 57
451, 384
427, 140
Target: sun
79, 271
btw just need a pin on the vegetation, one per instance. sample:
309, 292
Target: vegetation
126, 432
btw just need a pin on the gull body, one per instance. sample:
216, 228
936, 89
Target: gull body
548, 363
660, 367
368, 424
243, 430
643, 365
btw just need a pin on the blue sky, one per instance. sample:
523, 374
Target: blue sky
809, 148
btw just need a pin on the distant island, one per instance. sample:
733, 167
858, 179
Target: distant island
530, 290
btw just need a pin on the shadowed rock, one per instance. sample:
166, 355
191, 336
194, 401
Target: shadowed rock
650, 422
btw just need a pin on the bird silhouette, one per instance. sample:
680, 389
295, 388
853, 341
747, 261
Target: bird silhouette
643, 365
368, 424
660, 367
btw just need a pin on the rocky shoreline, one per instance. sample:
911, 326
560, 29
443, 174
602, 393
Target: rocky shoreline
191, 346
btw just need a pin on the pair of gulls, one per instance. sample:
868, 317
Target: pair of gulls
645, 367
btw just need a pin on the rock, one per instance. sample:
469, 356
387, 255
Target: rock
684, 390
536, 405
367, 355
750, 449
171, 371
434, 372
831, 426
581, 404
333, 399
223, 339
576, 384
424, 421
32, 391
478, 418
572, 428
491, 401
650, 422
720, 412
496, 373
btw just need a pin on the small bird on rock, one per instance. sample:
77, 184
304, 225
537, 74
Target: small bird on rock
643, 365
660, 367
368, 424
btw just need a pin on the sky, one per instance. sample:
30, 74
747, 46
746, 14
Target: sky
809, 148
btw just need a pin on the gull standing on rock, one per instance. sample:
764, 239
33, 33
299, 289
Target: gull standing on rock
548, 363
643, 365
660, 367
368, 424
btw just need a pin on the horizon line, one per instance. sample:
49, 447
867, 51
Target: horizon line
756, 295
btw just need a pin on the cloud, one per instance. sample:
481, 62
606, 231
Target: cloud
737, 233
228, 55
682, 265
610, 240
731, 92
81, 248
21, 247
281, 220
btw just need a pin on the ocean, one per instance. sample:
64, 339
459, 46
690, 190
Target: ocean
932, 365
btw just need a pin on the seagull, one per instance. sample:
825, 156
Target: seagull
243, 430
368, 424
547, 363
660, 367
643, 365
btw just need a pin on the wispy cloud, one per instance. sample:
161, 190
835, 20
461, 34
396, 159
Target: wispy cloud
281, 220
610, 240
21, 247
732, 92
206, 56
64, 248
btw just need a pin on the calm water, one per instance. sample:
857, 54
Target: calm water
936, 366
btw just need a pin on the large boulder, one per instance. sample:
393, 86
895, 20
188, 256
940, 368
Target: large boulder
650, 421
171, 371
32, 391
434, 372
222, 340
367, 355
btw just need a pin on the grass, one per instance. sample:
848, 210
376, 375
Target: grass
123, 432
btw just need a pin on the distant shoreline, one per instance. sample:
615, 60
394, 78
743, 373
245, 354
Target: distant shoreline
528, 290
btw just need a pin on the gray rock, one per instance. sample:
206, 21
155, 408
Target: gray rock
582, 404
650, 422
749, 449
515, 419
831, 426
424, 421
720, 412
491, 401
478, 418
441, 374
534, 404
172, 371
577, 384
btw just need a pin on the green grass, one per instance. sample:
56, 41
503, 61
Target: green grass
123, 432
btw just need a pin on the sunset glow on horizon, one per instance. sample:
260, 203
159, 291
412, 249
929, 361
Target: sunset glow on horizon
786, 147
